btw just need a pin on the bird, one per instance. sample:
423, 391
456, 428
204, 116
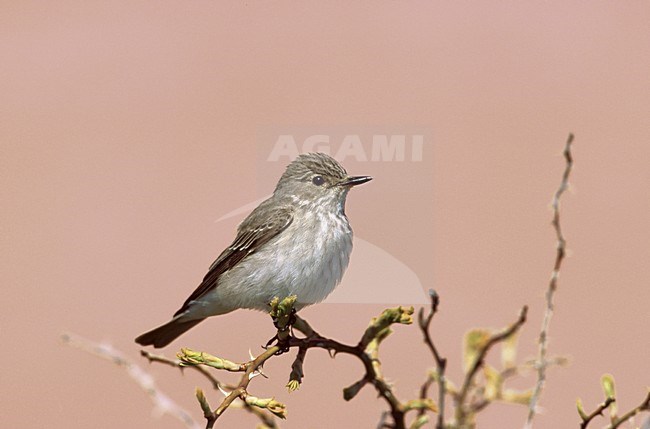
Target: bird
296, 242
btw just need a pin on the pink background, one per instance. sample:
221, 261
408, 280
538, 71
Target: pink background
127, 129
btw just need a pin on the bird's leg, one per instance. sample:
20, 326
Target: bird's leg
284, 334
292, 317
283, 314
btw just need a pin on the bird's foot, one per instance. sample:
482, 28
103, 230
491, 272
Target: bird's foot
292, 320
281, 342
284, 335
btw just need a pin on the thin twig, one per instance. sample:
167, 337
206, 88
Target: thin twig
240, 390
265, 418
383, 424
441, 363
151, 357
281, 312
597, 412
366, 350
643, 406
163, 404
478, 363
542, 364
297, 372
383, 388
424, 392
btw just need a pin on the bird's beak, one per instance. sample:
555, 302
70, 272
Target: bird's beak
354, 181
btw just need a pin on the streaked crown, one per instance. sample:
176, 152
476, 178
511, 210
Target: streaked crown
306, 165
318, 178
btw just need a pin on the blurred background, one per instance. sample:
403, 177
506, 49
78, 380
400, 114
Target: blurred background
127, 129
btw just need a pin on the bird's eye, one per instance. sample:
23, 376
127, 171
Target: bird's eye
318, 180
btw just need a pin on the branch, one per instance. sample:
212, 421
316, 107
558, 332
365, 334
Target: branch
240, 391
250, 370
367, 352
265, 418
461, 412
643, 406
295, 378
151, 357
441, 363
281, 312
542, 363
587, 418
163, 404
607, 383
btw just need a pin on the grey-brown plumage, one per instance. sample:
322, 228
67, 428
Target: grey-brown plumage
297, 242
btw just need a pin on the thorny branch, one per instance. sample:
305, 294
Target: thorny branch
297, 374
542, 364
265, 418
151, 357
366, 351
441, 363
281, 312
241, 392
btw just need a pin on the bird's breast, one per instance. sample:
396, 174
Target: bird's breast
318, 253
307, 259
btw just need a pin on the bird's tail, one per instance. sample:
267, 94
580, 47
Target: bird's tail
165, 334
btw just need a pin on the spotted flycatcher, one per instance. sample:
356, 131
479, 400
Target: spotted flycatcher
297, 242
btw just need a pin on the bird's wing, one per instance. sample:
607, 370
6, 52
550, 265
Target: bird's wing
258, 228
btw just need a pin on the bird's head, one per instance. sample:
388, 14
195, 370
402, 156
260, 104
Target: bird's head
317, 179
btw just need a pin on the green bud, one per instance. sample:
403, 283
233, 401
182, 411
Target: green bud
277, 408
190, 357
293, 385
581, 410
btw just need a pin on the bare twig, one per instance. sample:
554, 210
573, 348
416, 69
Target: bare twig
240, 390
461, 398
643, 406
372, 375
297, 373
586, 419
383, 424
366, 351
424, 391
265, 418
151, 357
542, 363
441, 363
249, 369
281, 312
163, 404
